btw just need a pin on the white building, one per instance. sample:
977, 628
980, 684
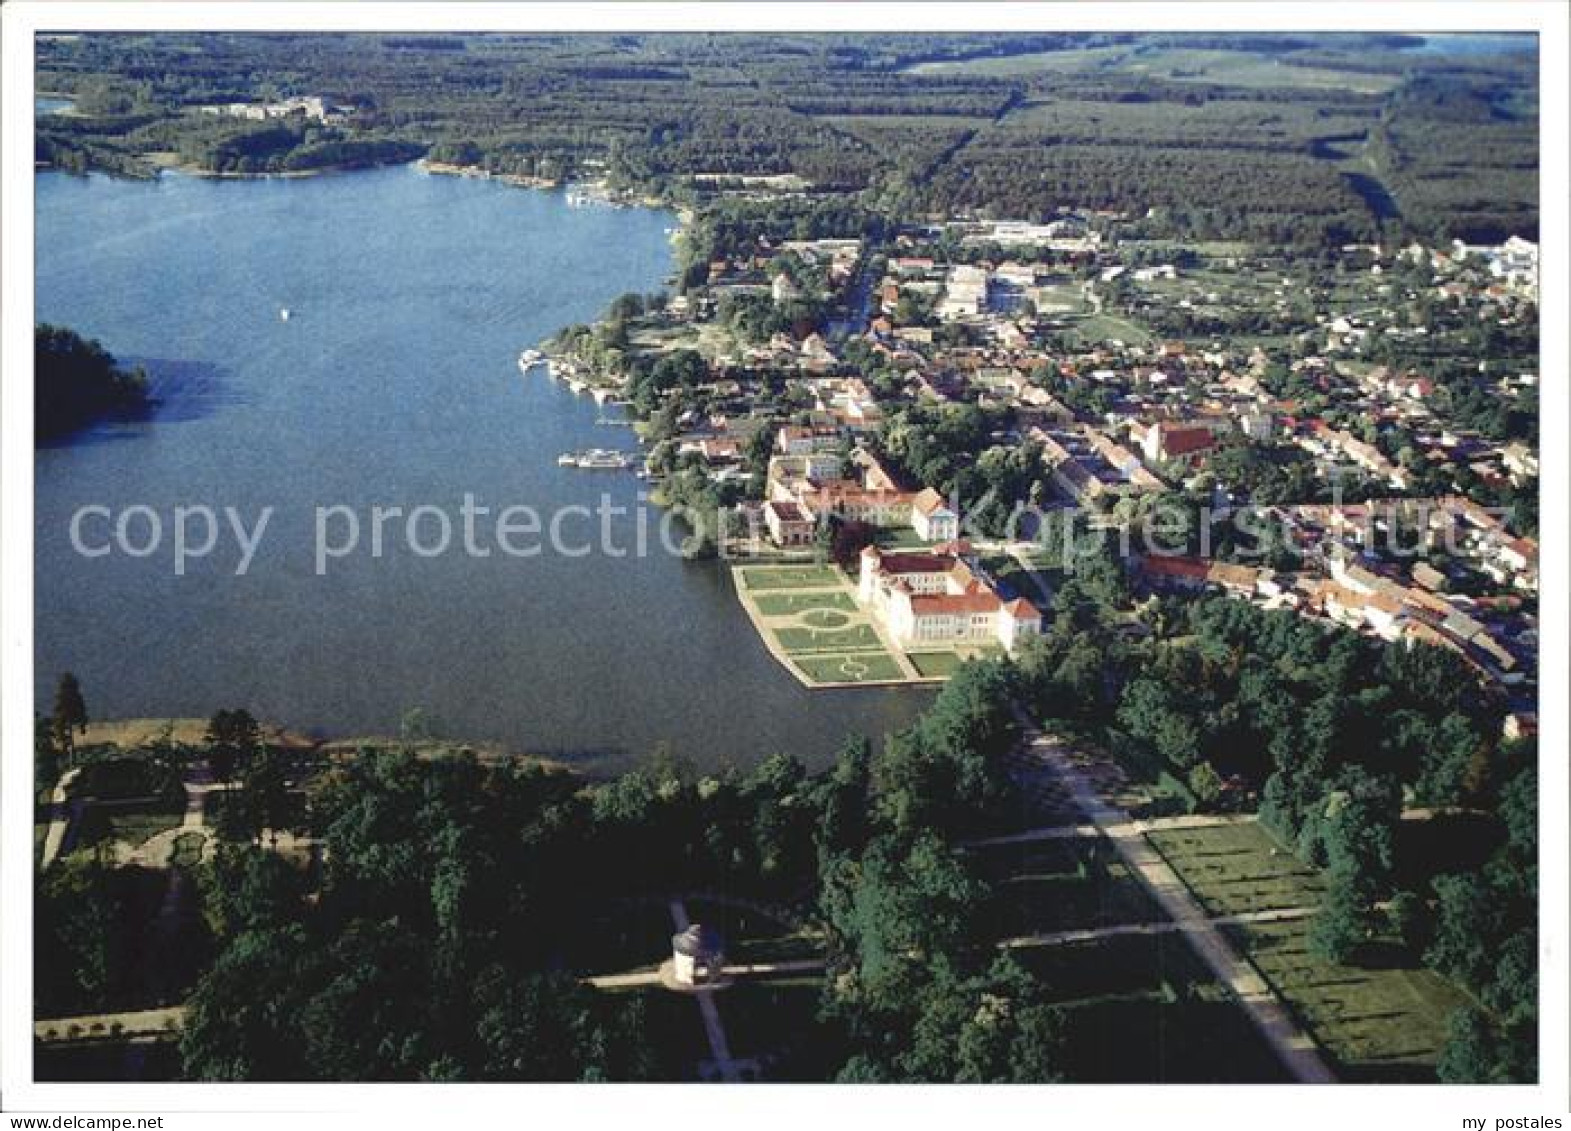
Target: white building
936, 598
933, 519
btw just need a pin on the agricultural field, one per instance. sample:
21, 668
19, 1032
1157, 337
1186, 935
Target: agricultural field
1069, 61
1226, 125
1252, 69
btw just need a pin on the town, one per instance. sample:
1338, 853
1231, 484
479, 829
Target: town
839, 394
1103, 641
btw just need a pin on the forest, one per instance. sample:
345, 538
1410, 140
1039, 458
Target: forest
76, 383
414, 947
1198, 137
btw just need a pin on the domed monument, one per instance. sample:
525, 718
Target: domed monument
697, 956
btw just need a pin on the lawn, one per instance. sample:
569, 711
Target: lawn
787, 604
934, 665
860, 668
901, 538
792, 577
825, 618
1379, 1021
187, 850
776, 1021
1101, 894
1385, 1021
857, 638
1233, 869
1151, 1039
131, 822
1143, 1009
1101, 327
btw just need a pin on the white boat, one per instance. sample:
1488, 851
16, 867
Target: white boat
600, 459
529, 359
283, 314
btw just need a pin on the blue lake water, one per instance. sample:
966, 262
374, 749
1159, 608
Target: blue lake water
1477, 43
392, 383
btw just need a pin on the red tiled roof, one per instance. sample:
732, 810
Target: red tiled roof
955, 604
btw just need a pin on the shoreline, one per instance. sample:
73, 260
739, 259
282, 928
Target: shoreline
135, 732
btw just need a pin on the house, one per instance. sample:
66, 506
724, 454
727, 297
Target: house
932, 518
799, 440
1172, 442
788, 523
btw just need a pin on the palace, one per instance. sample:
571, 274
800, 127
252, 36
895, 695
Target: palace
941, 598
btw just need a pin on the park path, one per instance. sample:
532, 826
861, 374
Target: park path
719, 1047
63, 819
100, 1026
1164, 927
1290, 1043
1030, 836
636, 978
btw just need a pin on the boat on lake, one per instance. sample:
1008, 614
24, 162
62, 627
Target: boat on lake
600, 459
529, 359
283, 314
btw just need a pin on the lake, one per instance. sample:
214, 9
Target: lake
393, 382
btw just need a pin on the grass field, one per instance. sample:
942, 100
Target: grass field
1144, 1010
825, 618
786, 604
187, 850
1097, 891
1101, 327
1385, 1021
759, 578
1233, 869
1247, 68
859, 668
1027, 63
935, 664
130, 823
857, 638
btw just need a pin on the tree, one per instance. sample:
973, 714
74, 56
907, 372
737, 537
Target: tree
46, 755
70, 715
264, 794
1342, 924
1409, 919
1206, 784
1468, 1056
233, 738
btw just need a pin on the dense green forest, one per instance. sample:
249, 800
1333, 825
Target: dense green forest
415, 947
77, 382
1297, 140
